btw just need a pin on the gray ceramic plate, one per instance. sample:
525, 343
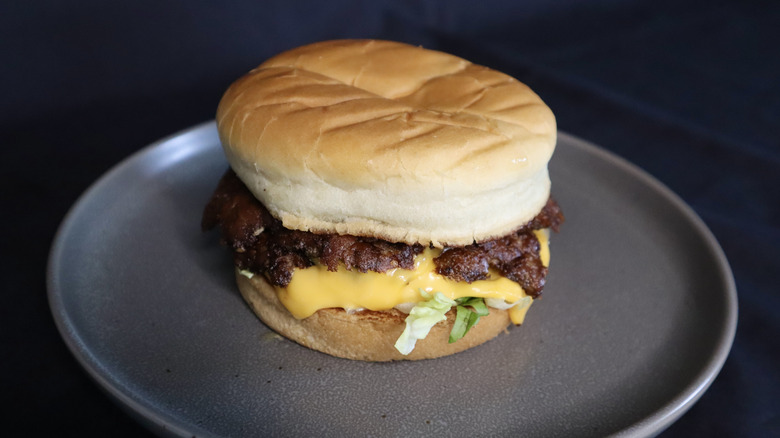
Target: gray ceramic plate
636, 320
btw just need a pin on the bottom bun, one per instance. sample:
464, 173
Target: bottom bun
365, 335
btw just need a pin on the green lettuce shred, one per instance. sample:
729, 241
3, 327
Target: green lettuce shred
468, 312
246, 273
422, 318
432, 310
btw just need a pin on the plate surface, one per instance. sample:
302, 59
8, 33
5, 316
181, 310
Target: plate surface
637, 317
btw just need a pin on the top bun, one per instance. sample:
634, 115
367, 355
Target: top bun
384, 139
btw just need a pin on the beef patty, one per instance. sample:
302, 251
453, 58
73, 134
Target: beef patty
262, 245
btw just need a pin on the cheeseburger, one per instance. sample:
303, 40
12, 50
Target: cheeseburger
385, 201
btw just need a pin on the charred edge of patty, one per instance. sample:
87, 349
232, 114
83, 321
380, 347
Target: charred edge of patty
262, 245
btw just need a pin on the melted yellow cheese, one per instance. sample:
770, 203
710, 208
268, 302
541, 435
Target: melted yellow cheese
517, 313
543, 236
315, 288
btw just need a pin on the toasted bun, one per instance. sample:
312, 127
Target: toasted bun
383, 139
366, 335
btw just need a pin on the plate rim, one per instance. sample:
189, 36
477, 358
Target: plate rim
155, 421
161, 423
689, 395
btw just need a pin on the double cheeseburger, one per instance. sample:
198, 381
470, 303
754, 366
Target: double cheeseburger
385, 201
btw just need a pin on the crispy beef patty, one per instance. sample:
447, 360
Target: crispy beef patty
262, 245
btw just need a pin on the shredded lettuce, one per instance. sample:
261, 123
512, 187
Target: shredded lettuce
425, 314
422, 318
499, 303
246, 273
468, 312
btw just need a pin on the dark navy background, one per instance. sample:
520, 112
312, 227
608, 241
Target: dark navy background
689, 91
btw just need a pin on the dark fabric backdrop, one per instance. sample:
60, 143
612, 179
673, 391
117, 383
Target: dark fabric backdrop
689, 91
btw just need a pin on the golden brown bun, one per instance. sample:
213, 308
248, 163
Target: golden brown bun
366, 335
384, 139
